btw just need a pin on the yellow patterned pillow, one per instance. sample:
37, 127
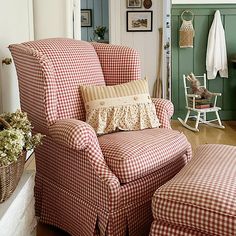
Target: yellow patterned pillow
125, 106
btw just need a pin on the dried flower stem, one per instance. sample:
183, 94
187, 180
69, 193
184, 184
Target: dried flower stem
5, 123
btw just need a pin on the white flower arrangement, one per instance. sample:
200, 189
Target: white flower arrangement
16, 136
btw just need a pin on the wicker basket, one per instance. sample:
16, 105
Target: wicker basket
186, 32
10, 176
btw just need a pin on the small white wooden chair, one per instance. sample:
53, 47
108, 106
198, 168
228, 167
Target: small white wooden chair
199, 113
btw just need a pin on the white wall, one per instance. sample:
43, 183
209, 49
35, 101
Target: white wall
145, 42
114, 22
202, 1
49, 24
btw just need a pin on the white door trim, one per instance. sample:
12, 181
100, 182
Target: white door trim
31, 19
77, 20
114, 22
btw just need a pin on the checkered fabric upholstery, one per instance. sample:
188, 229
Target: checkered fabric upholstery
200, 199
77, 186
73, 133
165, 111
120, 64
62, 71
132, 155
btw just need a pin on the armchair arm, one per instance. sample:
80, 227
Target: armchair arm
72, 133
216, 94
165, 110
79, 135
193, 96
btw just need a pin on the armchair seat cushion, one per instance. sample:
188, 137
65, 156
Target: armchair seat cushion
134, 154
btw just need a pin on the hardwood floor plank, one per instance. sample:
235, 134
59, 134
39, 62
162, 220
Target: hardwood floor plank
209, 135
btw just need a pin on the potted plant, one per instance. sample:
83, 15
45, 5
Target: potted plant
16, 139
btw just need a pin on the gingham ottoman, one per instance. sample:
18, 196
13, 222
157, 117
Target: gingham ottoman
201, 198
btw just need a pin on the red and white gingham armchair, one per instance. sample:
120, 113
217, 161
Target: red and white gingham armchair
89, 185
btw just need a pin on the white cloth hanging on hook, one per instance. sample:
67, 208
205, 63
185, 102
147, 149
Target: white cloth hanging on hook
216, 57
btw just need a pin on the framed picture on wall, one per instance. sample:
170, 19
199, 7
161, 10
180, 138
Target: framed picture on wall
86, 17
134, 3
139, 21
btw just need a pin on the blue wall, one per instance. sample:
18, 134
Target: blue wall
100, 14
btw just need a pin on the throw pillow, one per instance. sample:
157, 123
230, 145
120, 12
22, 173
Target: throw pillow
125, 106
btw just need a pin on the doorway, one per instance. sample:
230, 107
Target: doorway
95, 20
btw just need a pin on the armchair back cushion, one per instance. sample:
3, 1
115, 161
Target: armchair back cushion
134, 154
71, 63
120, 64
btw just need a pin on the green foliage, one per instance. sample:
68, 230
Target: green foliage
100, 31
16, 136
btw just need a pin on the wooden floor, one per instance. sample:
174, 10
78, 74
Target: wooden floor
206, 135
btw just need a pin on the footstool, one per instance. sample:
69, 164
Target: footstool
201, 198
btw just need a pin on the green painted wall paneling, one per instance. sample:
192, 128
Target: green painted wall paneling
100, 17
186, 60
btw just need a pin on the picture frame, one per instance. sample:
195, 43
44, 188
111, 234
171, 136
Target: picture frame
86, 17
139, 21
134, 3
